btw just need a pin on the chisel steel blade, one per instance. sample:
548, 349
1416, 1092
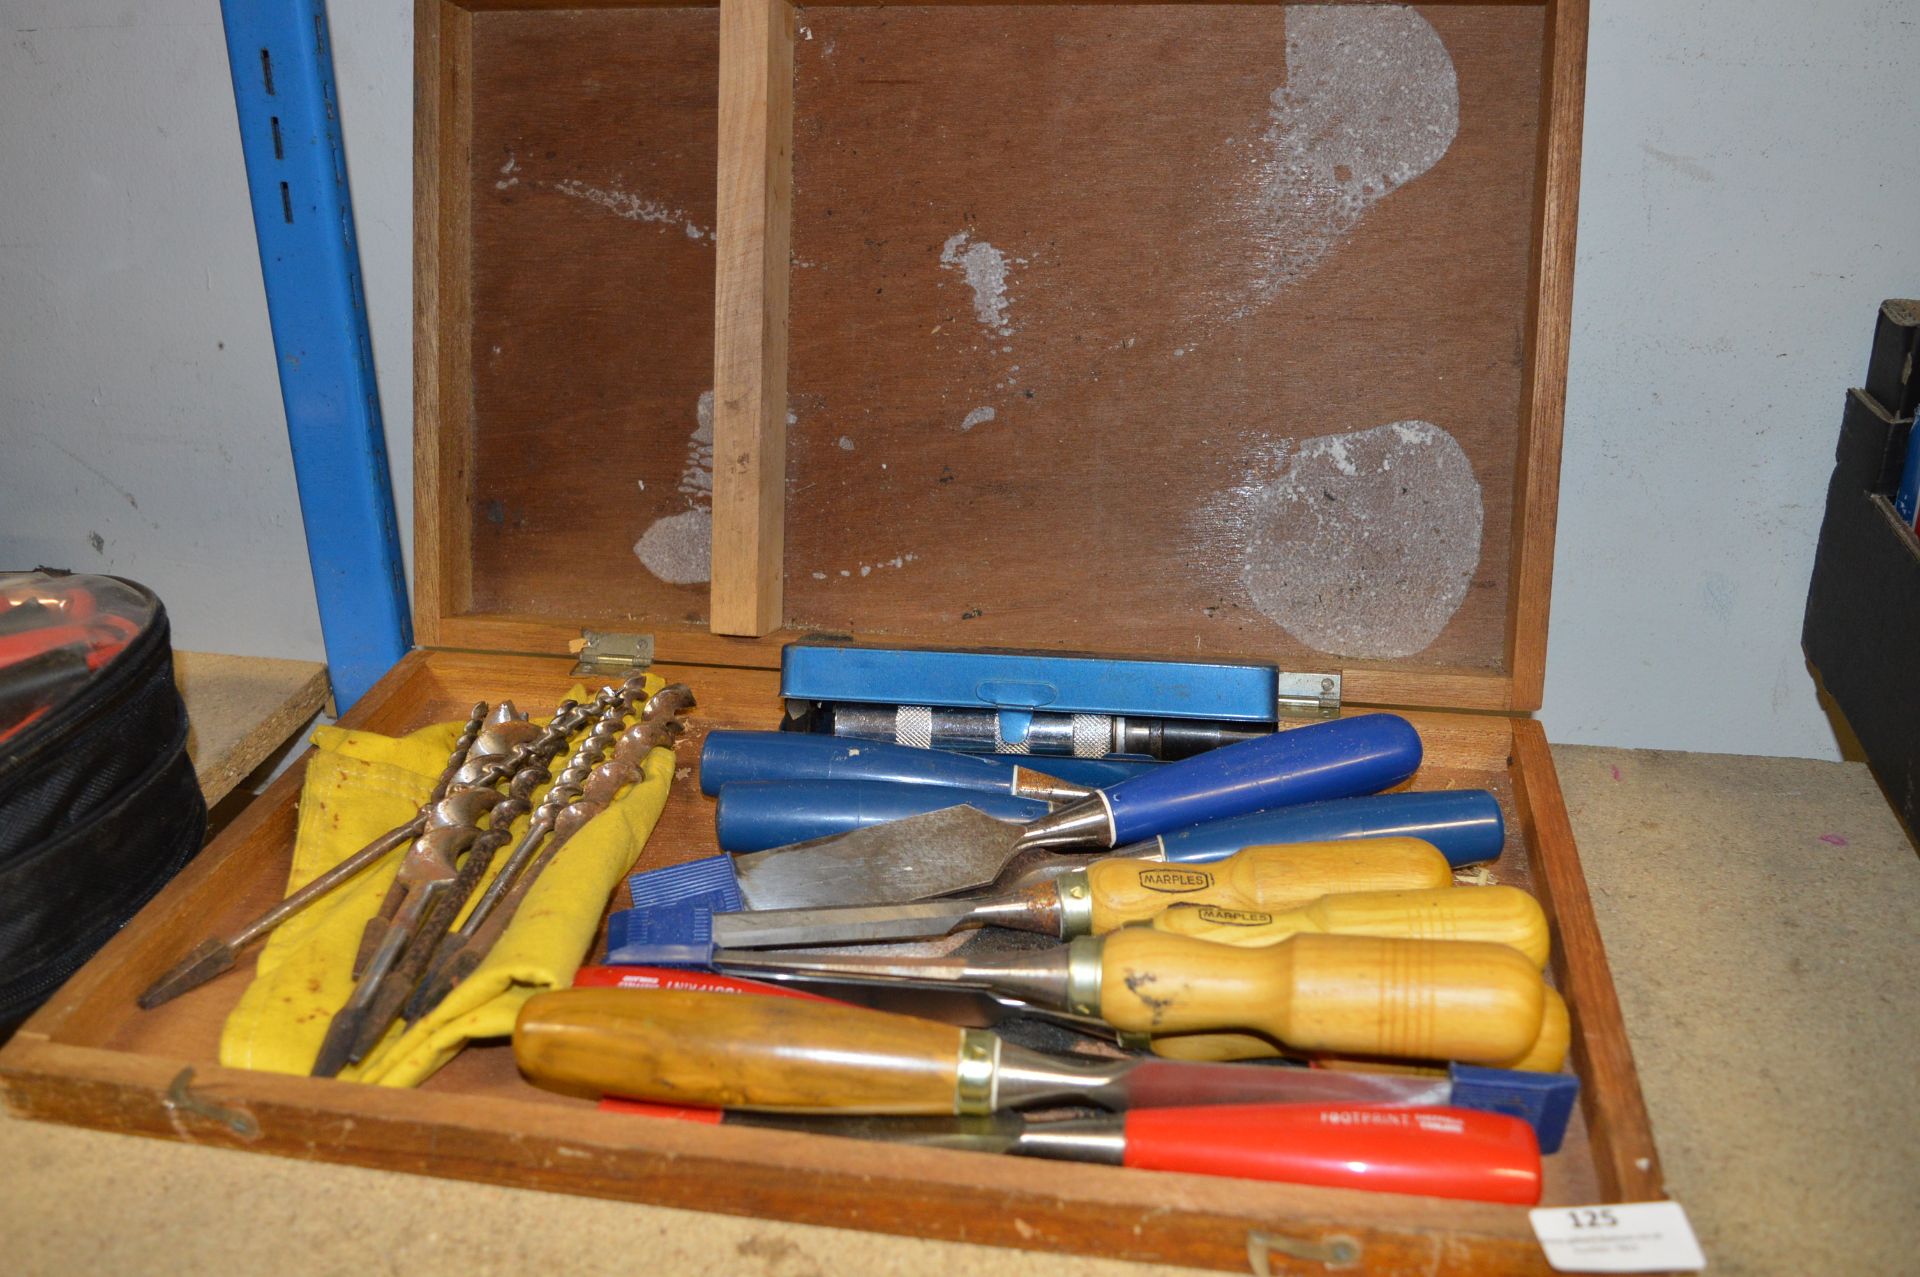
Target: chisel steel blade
1151, 1083
940, 853
789, 928
984, 1133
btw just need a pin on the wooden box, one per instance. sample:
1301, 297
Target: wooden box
1229, 330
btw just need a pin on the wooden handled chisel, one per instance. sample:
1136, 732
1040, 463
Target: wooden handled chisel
791, 1057
1546, 1054
1545, 1101
1466, 1000
1394, 887
1500, 914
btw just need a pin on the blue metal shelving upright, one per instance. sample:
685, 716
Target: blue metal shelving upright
290, 134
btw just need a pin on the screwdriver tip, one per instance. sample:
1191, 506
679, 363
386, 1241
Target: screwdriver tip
209, 960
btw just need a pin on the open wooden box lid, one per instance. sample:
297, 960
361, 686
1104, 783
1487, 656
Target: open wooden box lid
1234, 331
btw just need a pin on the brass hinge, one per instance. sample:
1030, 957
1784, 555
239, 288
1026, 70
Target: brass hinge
610, 652
1309, 695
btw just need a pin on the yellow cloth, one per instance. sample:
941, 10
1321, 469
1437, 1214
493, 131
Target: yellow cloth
358, 786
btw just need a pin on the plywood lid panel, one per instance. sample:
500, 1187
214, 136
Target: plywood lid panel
1138, 329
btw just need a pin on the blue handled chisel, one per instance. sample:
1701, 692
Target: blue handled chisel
963, 849
753, 815
1465, 824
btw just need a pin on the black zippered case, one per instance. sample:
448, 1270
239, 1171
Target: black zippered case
99, 808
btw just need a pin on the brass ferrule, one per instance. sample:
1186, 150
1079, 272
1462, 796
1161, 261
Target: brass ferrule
1076, 903
976, 1088
1083, 975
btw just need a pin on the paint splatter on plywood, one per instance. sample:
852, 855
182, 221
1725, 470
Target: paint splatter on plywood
1371, 101
984, 267
678, 548
1360, 544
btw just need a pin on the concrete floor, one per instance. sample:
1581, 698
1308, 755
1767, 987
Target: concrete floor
1761, 916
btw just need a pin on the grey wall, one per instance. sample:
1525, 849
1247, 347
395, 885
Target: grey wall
139, 403
1750, 192
1751, 189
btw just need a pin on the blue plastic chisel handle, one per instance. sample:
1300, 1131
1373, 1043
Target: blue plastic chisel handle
730, 757
1465, 824
757, 814
1340, 759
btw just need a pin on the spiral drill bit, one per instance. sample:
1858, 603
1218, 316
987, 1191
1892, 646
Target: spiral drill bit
406, 973
566, 787
218, 955
426, 869
505, 730
435, 890
659, 727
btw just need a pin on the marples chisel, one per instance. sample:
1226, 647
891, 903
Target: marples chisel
778, 1054
1546, 1056
1465, 824
1465, 1000
1246, 889
1068, 909
755, 815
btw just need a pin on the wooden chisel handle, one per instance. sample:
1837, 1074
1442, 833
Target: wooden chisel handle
1548, 1054
1262, 878
1499, 914
1463, 1000
723, 1050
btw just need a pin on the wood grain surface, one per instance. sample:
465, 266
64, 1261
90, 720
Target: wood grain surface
443, 451
1108, 154
241, 709
750, 315
1537, 481
1351, 994
594, 143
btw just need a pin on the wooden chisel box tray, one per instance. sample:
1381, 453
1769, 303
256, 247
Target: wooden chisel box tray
1160, 330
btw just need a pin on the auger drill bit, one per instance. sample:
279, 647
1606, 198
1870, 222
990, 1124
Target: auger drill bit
407, 973
423, 928
505, 747
218, 955
503, 732
566, 787
668, 702
427, 869
660, 726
